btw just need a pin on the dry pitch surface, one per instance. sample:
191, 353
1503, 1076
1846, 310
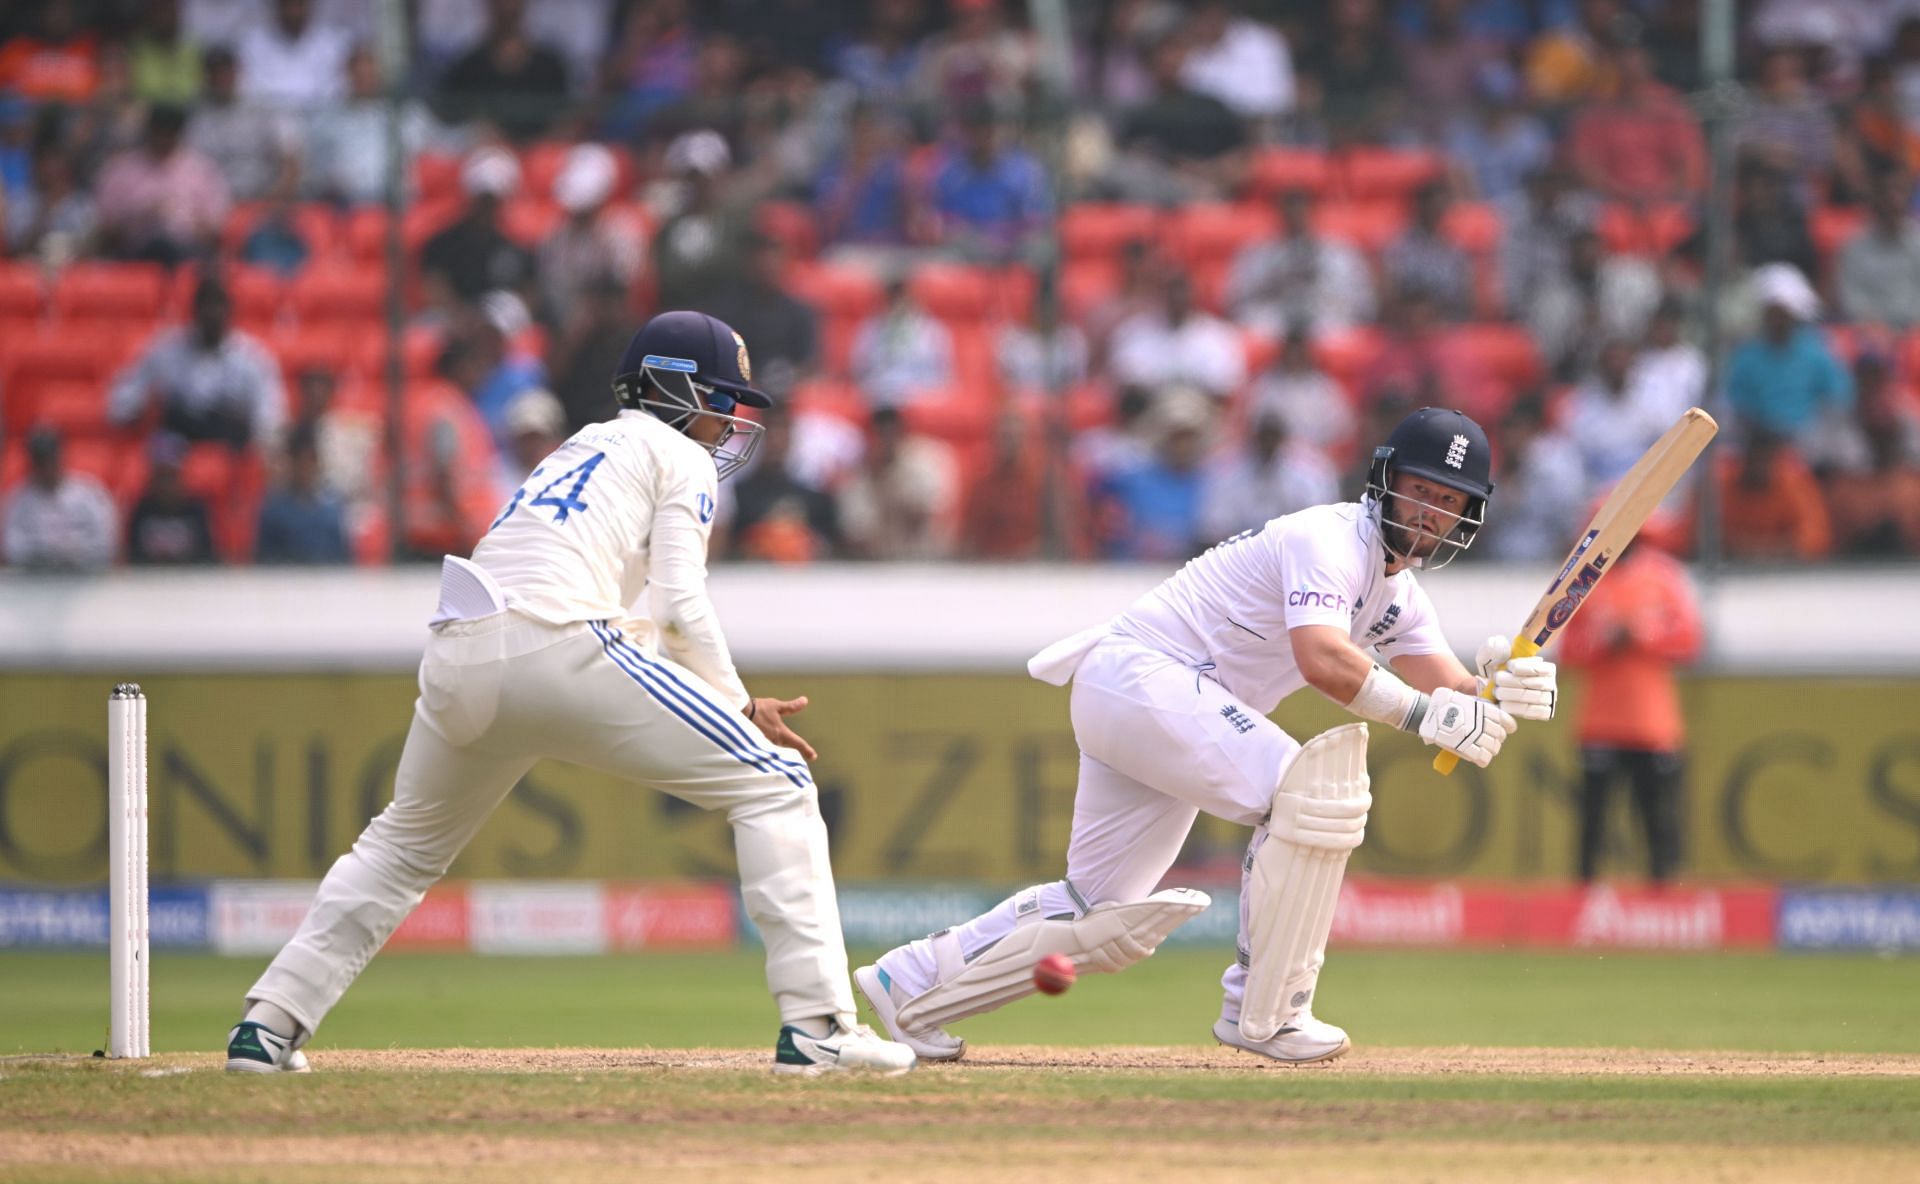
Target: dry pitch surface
562, 1115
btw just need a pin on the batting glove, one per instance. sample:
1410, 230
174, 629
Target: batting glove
1472, 728
1528, 688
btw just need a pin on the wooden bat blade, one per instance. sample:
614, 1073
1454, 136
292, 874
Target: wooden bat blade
1618, 520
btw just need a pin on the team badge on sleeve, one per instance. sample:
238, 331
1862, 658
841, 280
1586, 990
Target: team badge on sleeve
705, 505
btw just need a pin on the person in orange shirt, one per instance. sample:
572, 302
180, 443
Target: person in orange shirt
1635, 627
1771, 507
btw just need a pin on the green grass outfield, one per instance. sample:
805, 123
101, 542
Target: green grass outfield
1762, 1002
1818, 1077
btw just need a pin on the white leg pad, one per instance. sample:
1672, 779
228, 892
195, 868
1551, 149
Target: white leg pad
1319, 817
1108, 938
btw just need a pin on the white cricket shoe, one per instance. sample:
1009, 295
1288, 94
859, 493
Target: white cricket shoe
1301, 1042
845, 1047
255, 1048
929, 1044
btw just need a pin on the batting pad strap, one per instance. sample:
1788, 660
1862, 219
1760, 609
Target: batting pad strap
1332, 824
1384, 699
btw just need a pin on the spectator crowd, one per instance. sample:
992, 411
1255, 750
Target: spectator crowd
320, 281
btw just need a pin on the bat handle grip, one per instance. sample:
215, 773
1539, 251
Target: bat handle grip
1445, 762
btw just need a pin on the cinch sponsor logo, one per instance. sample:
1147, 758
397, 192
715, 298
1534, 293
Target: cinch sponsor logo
1302, 598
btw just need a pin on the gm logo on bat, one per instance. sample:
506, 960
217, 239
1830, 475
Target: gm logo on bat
1564, 608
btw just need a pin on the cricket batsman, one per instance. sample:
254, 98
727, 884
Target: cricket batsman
532, 654
1169, 705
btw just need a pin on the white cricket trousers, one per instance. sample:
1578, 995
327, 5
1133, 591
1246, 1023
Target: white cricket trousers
1160, 741
498, 693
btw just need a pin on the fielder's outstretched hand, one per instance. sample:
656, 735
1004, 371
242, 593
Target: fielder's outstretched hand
769, 715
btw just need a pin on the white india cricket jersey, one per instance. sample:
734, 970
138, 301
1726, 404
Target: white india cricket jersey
623, 508
1232, 606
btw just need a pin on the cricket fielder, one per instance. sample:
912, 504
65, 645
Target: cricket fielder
1169, 706
532, 654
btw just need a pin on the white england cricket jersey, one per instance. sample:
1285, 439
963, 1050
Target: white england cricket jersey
621, 509
1233, 605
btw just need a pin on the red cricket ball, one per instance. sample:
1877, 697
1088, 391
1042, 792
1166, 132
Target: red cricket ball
1053, 974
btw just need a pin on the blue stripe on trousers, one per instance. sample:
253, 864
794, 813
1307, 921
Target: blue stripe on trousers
701, 723
726, 720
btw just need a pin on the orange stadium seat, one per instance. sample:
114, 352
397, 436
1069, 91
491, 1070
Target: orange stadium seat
1346, 355
333, 347
1655, 231
1089, 405
1667, 227
1259, 349
339, 293
106, 461
317, 224
1505, 352
1473, 226
1015, 288
421, 222
1482, 367
1279, 170
103, 460
437, 176
257, 294
974, 364
962, 415
232, 485
1833, 227
28, 367
540, 166
1368, 225
74, 408
953, 292
420, 348
110, 293
1214, 231
529, 220
1094, 229
1371, 173
23, 296
844, 296
790, 224
364, 236
1086, 283
837, 289
821, 396
1209, 278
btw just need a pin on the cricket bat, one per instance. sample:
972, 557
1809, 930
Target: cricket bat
1620, 517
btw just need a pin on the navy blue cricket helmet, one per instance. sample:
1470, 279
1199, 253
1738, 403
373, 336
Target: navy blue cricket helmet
682, 365
1447, 448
